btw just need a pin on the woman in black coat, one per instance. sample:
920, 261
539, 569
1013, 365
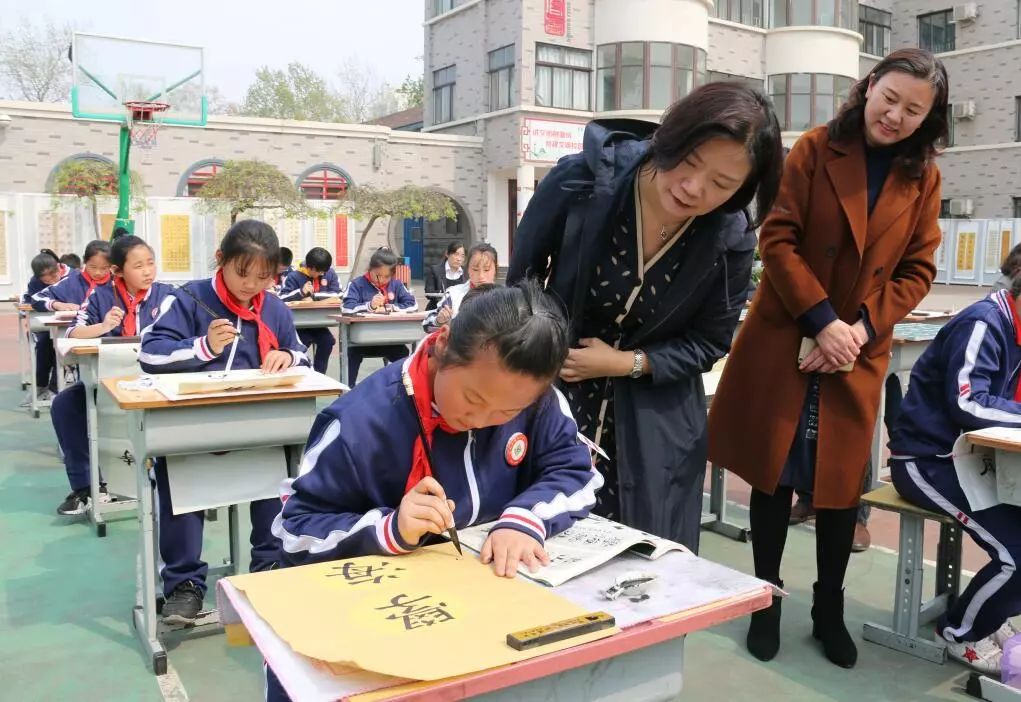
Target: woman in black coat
449, 271
645, 237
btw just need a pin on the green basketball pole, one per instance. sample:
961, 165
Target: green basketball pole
124, 220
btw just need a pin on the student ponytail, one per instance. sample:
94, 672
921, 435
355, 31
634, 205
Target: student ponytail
524, 325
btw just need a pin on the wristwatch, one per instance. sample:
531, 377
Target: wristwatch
636, 369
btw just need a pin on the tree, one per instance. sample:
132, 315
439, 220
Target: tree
89, 180
33, 62
297, 93
366, 202
412, 92
241, 186
362, 94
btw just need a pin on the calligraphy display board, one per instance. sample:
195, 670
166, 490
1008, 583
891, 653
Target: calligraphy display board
175, 243
424, 616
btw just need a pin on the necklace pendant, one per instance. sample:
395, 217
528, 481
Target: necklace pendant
662, 233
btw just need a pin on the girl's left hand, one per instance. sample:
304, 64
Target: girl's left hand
276, 361
506, 548
595, 359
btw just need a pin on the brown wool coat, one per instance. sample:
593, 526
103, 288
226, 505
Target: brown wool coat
820, 243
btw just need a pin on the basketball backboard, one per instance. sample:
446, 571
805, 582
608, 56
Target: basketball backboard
110, 71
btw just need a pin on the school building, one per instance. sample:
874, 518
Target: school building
509, 86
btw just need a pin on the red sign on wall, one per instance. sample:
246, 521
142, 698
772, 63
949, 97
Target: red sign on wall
340, 241
556, 17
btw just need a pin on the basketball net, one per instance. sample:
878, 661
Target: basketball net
144, 121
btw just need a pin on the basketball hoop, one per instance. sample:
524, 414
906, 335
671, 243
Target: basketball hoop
144, 121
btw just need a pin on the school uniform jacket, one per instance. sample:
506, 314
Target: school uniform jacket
282, 276
964, 380
36, 286
176, 343
452, 299
74, 289
360, 293
345, 500
105, 297
295, 281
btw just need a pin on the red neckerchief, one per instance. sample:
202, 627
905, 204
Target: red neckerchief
1017, 337
267, 339
417, 380
131, 304
93, 282
315, 285
387, 296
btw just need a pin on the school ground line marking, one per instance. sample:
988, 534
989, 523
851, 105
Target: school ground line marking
170, 685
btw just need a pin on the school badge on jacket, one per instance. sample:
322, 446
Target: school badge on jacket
517, 447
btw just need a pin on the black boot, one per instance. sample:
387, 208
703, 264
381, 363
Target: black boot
764, 631
828, 627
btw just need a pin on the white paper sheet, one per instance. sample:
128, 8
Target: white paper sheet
208, 480
168, 384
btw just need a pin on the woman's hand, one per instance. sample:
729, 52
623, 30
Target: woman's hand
838, 346
506, 548
276, 361
596, 359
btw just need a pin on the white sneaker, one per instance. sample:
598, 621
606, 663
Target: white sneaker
1006, 631
983, 655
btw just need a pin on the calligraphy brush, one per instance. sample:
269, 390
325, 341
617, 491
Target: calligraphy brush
206, 307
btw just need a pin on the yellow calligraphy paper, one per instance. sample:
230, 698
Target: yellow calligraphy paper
175, 243
106, 222
966, 251
425, 616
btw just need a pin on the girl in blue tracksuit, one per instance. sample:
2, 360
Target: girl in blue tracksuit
377, 291
967, 379
70, 293
505, 447
47, 270
123, 308
252, 329
315, 276
483, 262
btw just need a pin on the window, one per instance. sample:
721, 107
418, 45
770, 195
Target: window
936, 31
441, 6
324, 183
443, 94
721, 77
743, 11
944, 209
647, 75
1017, 118
827, 13
198, 176
501, 77
806, 100
562, 77
875, 25
950, 126
1017, 207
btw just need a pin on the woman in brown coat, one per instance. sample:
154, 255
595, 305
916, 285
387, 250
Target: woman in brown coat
847, 252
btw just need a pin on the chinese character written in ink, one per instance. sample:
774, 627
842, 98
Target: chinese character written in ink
356, 574
417, 615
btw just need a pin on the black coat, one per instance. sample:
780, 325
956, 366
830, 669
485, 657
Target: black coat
436, 281
660, 418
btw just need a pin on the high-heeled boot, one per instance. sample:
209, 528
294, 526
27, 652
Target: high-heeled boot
828, 627
763, 639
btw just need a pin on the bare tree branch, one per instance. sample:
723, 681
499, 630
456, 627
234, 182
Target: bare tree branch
33, 62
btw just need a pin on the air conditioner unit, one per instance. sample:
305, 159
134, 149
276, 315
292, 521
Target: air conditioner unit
964, 110
962, 207
967, 12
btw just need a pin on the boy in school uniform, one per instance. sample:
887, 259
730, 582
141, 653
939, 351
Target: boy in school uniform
967, 379
285, 268
316, 275
46, 271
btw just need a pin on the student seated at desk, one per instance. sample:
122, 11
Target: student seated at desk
284, 268
71, 260
482, 265
966, 380
484, 397
252, 329
71, 292
377, 291
315, 276
124, 308
46, 271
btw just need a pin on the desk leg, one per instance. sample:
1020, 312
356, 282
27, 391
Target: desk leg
345, 343
986, 688
24, 356
877, 439
92, 422
144, 616
33, 397
716, 519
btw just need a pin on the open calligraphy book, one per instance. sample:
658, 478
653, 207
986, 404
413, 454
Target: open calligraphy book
588, 544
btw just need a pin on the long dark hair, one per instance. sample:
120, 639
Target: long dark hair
914, 153
250, 242
732, 111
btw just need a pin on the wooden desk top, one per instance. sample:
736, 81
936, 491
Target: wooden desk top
24, 308
996, 438
929, 315
315, 304
416, 317
154, 399
57, 322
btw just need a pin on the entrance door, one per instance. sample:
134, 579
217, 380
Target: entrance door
414, 248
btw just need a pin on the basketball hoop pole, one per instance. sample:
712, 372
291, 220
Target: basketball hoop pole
124, 220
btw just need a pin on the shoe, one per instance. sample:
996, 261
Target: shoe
43, 395
862, 538
801, 512
74, 504
983, 655
828, 627
104, 495
183, 604
1005, 632
763, 640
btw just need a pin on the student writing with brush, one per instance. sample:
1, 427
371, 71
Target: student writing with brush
250, 328
503, 443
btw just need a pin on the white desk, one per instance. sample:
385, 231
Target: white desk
377, 330
280, 417
714, 510
310, 314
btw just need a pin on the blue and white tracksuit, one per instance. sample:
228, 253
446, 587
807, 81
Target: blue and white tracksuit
452, 299
68, 411
965, 380
74, 289
176, 343
320, 337
45, 355
358, 299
